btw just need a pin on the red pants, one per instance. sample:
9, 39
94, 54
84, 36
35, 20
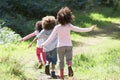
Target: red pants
40, 51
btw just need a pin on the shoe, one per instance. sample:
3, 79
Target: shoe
40, 65
70, 71
53, 75
47, 70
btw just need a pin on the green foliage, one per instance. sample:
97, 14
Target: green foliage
19, 13
8, 36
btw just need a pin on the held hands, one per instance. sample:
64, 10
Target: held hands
21, 40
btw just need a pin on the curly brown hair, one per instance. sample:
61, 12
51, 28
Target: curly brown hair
38, 26
65, 16
48, 22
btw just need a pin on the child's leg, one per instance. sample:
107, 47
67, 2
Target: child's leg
52, 57
44, 56
54, 60
53, 67
70, 71
38, 51
53, 72
69, 60
38, 54
47, 68
61, 73
61, 52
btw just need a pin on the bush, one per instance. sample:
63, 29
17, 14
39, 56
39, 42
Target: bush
8, 36
20, 24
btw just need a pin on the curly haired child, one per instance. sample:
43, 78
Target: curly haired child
62, 30
48, 23
38, 28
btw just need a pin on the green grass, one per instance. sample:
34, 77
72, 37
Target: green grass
14, 60
98, 62
98, 52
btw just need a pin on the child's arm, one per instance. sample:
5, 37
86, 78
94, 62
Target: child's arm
77, 29
50, 38
34, 40
28, 36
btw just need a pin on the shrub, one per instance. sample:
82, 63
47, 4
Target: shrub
8, 36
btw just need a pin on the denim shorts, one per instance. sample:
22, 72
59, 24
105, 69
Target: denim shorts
51, 56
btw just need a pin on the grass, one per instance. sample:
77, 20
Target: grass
96, 54
98, 63
14, 60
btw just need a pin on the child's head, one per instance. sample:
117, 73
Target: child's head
38, 26
48, 22
65, 16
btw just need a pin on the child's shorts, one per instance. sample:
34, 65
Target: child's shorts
51, 56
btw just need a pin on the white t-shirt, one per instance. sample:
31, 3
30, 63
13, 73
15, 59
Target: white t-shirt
39, 40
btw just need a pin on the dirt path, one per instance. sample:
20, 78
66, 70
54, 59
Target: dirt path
42, 76
38, 74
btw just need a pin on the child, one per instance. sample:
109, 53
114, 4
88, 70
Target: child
62, 30
38, 28
48, 23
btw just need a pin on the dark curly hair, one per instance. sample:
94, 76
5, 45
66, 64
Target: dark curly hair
48, 22
65, 16
38, 26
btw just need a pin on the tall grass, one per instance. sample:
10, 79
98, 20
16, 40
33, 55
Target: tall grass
105, 66
11, 69
17, 62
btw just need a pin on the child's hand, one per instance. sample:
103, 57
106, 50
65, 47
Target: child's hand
41, 45
29, 45
21, 40
93, 27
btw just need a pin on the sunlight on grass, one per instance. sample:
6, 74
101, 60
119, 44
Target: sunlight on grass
14, 59
98, 58
104, 64
100, 17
